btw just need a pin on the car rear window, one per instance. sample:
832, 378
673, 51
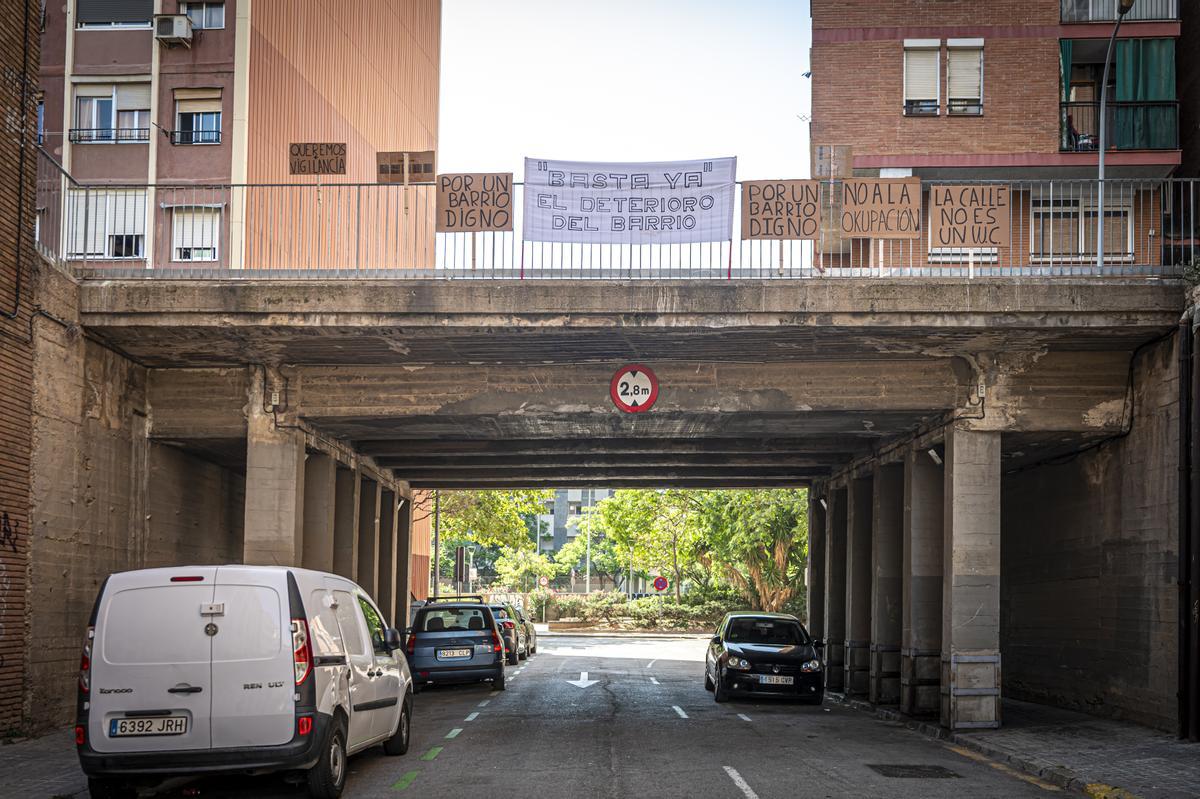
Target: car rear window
765, 631
499, 611
452, 620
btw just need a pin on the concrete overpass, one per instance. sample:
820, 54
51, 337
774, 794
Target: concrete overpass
989, 459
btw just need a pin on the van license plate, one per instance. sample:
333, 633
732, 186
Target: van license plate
771, 679
149, 725
454, 653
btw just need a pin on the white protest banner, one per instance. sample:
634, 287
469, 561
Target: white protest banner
661, 202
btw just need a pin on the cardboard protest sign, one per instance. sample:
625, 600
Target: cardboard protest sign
389, 166
317, 158
781, 209
474, 202
969, 217
881, 208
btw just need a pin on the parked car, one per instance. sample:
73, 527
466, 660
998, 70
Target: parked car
236, 669
766, 654
512, 630
530, 632
456, 639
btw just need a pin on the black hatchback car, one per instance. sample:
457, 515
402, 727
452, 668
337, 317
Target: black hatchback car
767, 654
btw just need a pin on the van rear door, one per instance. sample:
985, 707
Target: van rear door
151, 685
252, 671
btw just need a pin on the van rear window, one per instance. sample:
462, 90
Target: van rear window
156, 624
452, 620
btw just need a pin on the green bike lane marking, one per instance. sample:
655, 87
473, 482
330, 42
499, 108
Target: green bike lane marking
405, 781
432, 753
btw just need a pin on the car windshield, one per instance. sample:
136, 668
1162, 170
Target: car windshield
452, 620
765, 631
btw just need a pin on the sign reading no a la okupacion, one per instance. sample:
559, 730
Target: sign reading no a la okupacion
663, 202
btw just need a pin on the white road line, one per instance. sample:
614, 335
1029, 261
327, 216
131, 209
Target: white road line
655, 681
741, 783
454, 732
494, 693
651, 663
679, 710
473, 716
484, 703
744, 717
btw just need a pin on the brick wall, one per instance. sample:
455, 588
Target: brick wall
1088, 597
896, 13
19, 54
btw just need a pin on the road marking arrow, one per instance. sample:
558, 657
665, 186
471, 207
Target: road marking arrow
583, 681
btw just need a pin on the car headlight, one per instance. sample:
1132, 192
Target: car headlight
811, 665
741, 664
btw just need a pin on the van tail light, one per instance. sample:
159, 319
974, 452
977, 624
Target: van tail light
508, 625
302, 656
304, 725
410, 645
85, 662
80, 735
497, 644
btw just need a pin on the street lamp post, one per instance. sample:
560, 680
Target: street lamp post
1123, 7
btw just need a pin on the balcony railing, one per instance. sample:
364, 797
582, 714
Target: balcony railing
1106, 10
367, 230
1131, 126
195, 137
105, 135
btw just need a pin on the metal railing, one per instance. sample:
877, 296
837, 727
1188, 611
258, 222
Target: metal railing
105, 135
195, 137
1106, 10
1131, 126
349, 230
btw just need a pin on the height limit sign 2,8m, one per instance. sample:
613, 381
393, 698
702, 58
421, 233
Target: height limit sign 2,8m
634, 388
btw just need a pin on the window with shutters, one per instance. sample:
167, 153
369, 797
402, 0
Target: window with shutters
964, 78
95, 104
106, 224
195, 233
1065, 230
133, 112
113, 13
197, 116
204, 16
921, 68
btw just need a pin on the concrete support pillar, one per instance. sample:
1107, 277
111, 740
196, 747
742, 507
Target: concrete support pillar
921, 644
404, 575
970, 687
320, 481
835, 590
368, 536
815, 579
385, 596
887, 538
274, 520
345, 523
858, 587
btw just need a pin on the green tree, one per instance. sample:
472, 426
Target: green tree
520, 569
606, 561
656, 530
489, 519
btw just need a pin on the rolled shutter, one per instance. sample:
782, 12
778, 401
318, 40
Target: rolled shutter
101, 12
93, 90
921, 74
195, 227
133, 96
127, 213
86, 219
965, 72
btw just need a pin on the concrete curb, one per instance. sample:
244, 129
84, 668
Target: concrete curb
1060, 776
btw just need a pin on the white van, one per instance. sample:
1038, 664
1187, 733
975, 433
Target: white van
236, 669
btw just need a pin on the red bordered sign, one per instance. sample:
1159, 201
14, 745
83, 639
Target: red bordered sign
660, 583
634, 388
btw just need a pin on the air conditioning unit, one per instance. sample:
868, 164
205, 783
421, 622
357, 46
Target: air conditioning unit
172, 29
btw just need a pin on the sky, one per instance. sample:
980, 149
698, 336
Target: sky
624, 80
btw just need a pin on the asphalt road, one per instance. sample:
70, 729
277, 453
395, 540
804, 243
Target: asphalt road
645, 728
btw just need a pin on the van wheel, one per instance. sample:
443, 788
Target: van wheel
398, 743
100, 788
327, 779
498, 680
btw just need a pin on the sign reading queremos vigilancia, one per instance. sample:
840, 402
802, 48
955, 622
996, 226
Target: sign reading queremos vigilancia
661, 202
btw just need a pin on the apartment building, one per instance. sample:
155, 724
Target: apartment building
960, 92
560, 523
176, 123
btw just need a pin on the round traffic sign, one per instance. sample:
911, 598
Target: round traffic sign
634, 388
543, 581
660, 583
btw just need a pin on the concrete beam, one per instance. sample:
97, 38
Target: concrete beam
887, 538
970, 683
345, 523
435, 449
274, 510
858, 586
835, 589
197, 403
921, 645
320, 482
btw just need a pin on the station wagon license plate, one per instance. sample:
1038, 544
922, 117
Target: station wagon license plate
454, 653
149, 725
774, 679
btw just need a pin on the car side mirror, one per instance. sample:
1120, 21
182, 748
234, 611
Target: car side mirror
716, 639
818, 644
392, 640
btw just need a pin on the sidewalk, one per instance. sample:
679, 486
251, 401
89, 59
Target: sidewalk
42, 768
1093, 756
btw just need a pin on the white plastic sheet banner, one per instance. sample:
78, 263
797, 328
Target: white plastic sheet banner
661, 202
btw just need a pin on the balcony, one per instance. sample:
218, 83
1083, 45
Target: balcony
195, 137
1131, 126
1106, 10
108, 135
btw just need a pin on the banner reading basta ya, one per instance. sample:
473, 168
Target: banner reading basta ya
661, 202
